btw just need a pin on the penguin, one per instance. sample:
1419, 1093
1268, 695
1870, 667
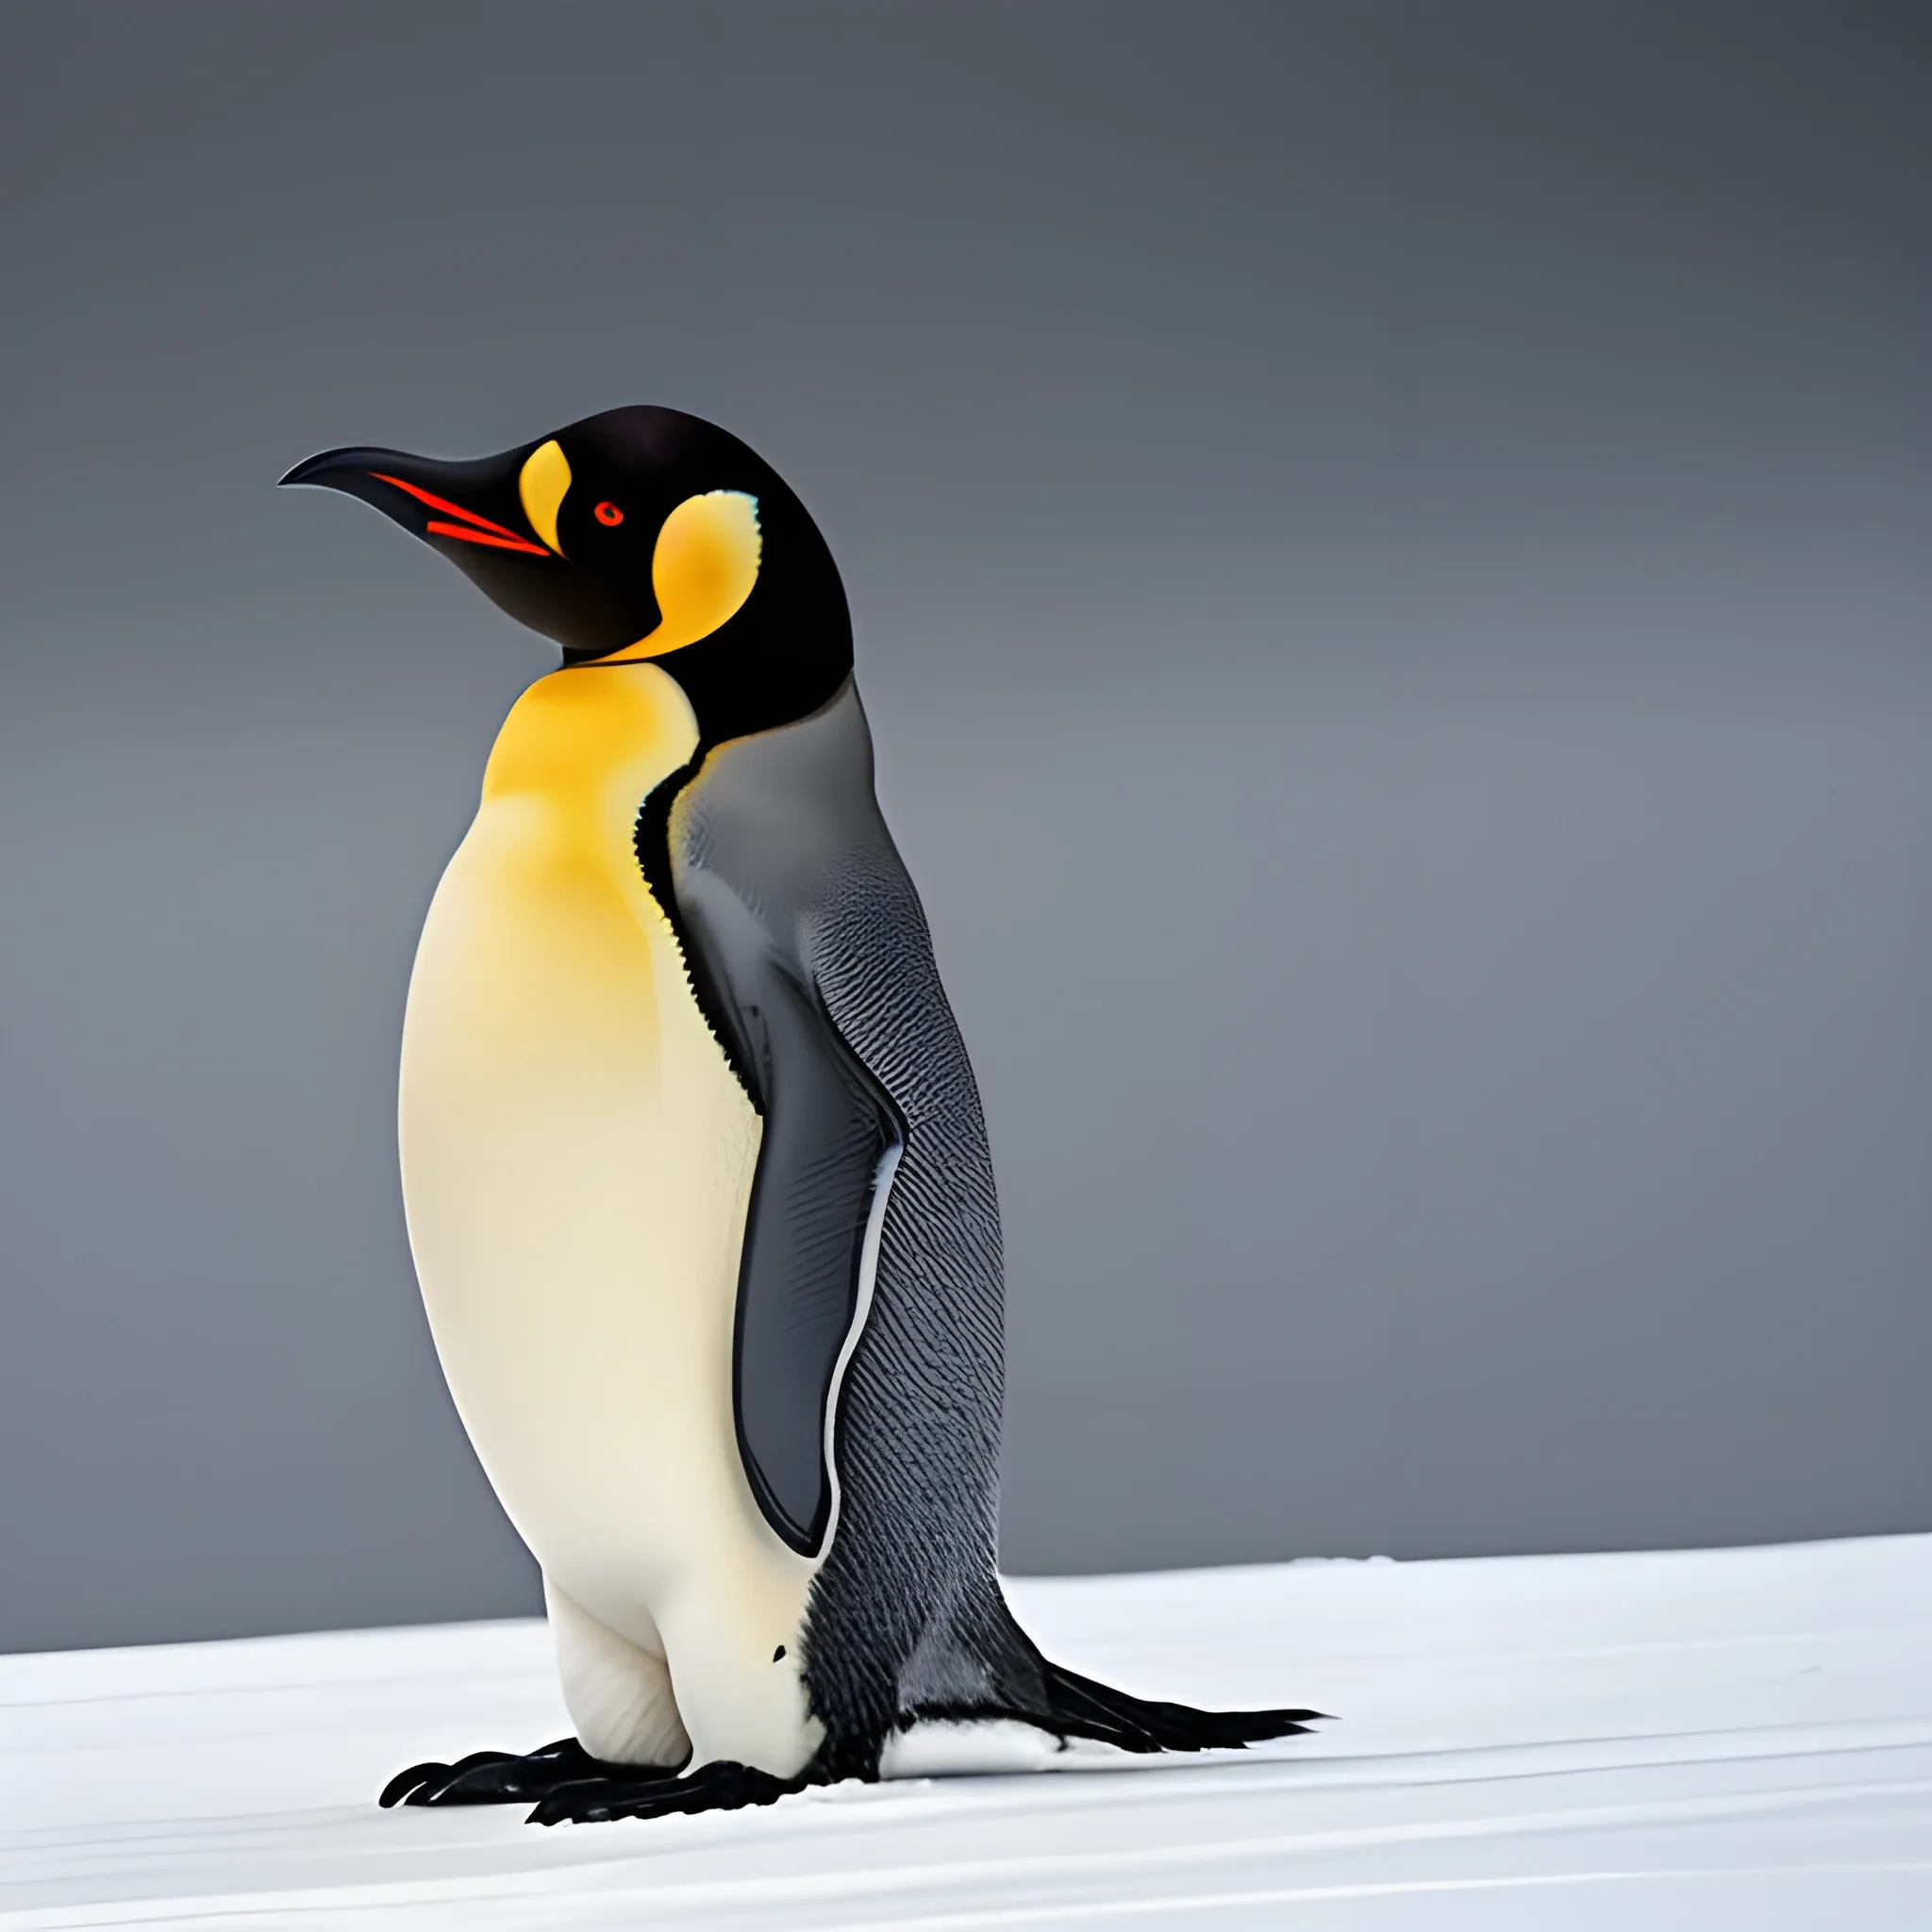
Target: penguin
695, 1172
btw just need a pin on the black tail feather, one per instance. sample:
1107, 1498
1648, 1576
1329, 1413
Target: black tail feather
1022, 1685
1016, 1684
1078, 1706
1084, 1709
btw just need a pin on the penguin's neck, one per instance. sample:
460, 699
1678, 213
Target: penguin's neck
580, 751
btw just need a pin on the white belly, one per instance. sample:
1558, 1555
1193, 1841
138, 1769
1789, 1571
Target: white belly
578, 1161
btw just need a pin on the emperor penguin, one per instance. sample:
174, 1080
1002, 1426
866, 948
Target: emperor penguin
694, 1166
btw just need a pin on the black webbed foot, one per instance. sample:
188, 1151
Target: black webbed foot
501, 1777
724, 1786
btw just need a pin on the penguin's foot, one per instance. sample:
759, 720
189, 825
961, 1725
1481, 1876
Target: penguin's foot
724, 1786
501, 1777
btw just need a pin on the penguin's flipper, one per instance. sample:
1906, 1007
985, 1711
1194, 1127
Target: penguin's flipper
724, 1786
830, 1139
749, 852
830, 1143
501, 1777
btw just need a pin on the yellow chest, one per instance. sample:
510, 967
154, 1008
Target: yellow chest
577, 1161
547, 974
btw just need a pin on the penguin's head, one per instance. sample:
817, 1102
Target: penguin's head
641, 533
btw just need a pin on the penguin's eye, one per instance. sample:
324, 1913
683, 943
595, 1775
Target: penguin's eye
609, 515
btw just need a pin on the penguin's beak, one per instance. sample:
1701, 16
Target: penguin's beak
455, 504
479, 516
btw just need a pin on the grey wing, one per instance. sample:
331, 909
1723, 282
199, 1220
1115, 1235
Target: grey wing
829, 1136
755, 840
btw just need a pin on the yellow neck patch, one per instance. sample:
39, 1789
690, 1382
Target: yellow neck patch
703, 567
586, 749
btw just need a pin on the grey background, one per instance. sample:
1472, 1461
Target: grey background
1389, 552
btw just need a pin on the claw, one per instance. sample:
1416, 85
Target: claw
399, 1788
503, 1777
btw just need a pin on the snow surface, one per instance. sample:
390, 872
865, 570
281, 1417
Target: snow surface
1693, 1739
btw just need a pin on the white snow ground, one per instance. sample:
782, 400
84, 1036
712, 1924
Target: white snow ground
1696, 1739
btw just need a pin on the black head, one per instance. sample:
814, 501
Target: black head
641, 533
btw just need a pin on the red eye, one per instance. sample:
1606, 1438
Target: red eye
609, 515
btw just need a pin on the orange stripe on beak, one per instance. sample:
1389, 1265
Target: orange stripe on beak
455, 509
503, 543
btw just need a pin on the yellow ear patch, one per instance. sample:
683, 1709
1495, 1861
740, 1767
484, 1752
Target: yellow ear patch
703, 569
542, 484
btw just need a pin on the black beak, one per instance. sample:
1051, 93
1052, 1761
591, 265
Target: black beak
465, 506
473, 515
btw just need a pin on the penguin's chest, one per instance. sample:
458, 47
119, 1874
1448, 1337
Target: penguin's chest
577, 1157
